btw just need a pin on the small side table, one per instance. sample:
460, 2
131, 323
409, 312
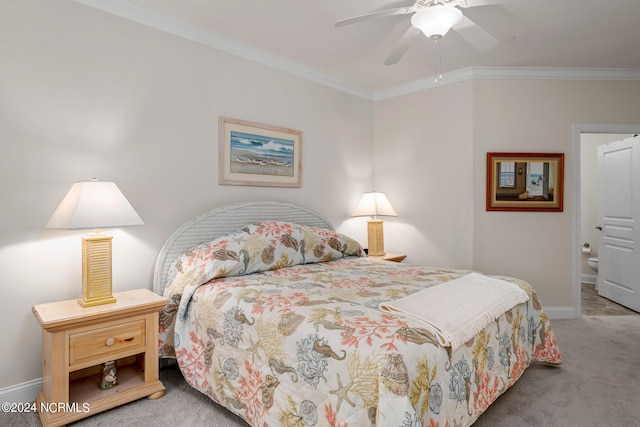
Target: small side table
77, 340
390, 257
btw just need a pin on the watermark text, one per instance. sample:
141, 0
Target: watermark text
53, 407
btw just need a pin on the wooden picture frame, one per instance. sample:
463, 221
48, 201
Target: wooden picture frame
525, 182
257, 154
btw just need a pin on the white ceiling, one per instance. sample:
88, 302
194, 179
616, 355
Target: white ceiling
301, 33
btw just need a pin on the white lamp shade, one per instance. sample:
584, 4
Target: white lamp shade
94, 204
436, 21
374, 204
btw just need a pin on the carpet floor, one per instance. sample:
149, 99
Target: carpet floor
597, 385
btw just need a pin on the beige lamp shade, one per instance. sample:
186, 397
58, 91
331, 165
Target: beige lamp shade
94, 205
374, 204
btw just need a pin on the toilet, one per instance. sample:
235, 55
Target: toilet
593, 263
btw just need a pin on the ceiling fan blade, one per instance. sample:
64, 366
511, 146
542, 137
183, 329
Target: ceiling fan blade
475, 34
474, 3
374, 15
403, 44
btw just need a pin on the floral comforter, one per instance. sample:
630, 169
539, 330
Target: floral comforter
304, 343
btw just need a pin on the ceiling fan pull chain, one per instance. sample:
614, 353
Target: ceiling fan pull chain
438, 61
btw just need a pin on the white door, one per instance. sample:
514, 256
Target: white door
619, 219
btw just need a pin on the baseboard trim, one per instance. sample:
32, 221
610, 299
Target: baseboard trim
588, 278
21, 393
561, 312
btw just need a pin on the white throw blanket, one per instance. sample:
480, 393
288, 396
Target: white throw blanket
457, 310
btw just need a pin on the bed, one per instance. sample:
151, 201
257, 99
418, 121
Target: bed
283, 321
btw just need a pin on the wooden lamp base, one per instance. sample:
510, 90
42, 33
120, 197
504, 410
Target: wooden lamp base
96, 270
375, 237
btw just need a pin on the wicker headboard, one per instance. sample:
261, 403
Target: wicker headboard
225, 220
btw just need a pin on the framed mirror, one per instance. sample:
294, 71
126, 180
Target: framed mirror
525, 182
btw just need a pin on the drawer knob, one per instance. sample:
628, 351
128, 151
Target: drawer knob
110, 342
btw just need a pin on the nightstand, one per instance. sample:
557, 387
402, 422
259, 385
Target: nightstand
76, 340
390, 257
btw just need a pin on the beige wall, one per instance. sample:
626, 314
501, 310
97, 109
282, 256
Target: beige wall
430, 156
424, 162
538, 116
86, 94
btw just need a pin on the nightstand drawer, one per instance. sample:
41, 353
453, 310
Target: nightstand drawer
106, 341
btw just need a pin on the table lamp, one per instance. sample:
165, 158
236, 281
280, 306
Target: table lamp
94, 205
374, 204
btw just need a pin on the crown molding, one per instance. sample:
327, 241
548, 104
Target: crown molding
150, 18
555, 73
509, 73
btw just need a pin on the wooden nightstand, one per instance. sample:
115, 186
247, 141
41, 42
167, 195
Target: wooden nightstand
76, 340
390, 257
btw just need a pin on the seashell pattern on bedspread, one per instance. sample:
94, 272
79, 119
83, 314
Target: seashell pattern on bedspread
306, 345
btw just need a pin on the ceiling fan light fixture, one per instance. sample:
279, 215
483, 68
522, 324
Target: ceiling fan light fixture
436, 21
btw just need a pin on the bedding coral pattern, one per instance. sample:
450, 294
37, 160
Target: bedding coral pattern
280, 324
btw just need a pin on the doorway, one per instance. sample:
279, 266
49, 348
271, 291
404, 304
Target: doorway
583, 134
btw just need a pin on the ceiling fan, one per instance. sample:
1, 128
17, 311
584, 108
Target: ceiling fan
434, 18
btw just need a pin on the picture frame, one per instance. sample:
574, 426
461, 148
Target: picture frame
525, 182
256, 154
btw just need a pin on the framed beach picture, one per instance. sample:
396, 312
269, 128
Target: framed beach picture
257, 154
525, 182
